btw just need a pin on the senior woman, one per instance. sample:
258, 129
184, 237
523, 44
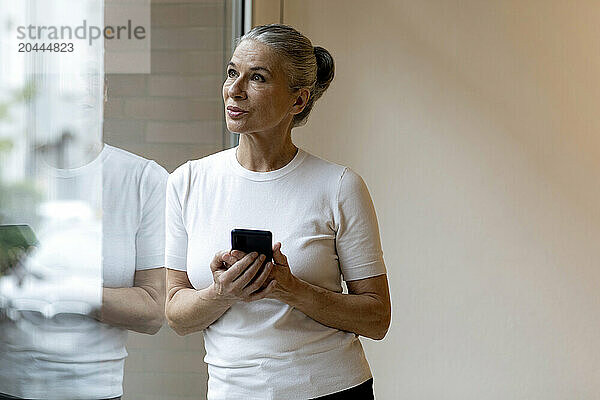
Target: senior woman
285, 329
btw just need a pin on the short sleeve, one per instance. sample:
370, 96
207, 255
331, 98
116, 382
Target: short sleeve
357, 239
176, 235
150, 236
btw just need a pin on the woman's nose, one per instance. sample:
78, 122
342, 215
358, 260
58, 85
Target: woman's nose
237, 89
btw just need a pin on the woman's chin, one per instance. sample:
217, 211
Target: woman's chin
237, 129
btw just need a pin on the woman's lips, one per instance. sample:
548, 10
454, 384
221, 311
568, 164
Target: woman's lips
235, 112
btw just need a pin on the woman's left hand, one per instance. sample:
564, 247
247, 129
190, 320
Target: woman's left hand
285, 283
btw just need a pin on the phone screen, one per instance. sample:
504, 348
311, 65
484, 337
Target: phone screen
249, 240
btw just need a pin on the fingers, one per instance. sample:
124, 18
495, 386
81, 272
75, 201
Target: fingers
217, 261
241, 280
224, 279
246, 277
259, 281
278, 256
261, 294
238, 268
232, 257
240, 276
229, 260
237, 254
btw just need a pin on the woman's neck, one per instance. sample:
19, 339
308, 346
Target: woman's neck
263, 153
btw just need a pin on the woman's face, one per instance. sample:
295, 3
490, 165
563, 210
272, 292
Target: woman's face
256, 92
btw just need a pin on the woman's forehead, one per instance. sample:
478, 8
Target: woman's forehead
253, 53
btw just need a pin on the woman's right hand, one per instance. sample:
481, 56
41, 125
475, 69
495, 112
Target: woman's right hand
238, 281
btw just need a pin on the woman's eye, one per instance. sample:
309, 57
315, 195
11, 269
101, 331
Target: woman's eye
258, 78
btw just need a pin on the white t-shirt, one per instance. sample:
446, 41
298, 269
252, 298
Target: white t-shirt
324, 217
70, 356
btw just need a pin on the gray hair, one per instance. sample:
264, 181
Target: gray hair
307, 66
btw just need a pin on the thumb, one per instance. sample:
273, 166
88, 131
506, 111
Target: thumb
278, 256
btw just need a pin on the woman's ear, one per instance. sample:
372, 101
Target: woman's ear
301, 100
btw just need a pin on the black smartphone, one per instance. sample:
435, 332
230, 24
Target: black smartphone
15, 240
249, 240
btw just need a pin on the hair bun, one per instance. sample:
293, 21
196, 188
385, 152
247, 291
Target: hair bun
325, 69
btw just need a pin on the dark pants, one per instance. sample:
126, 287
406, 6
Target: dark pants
6, 397
364, 391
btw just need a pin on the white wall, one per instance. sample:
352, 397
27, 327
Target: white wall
475, 127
